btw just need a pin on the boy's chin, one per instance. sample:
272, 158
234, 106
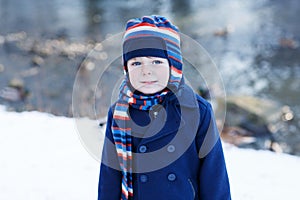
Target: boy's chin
149, 91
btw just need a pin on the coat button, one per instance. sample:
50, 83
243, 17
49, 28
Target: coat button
171, 148
143, 149
171, 177
143, 178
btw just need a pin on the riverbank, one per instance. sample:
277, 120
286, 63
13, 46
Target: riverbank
43, 73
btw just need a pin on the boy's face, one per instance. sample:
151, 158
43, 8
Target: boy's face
148, 74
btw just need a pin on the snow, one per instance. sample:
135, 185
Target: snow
262, 175
42, 158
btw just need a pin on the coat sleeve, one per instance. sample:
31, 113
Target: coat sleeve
213, 179
109, 187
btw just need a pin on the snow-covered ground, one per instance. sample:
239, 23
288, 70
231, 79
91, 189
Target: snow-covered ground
42, 158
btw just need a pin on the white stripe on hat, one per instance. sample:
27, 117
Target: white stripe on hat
155, 29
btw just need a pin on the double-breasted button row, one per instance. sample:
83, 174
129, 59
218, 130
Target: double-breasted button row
144, 177
170, 148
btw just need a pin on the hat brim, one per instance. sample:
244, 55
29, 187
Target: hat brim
144, 46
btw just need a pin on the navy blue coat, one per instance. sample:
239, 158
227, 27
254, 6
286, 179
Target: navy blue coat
177, 153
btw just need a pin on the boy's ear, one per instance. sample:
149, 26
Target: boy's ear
125, 68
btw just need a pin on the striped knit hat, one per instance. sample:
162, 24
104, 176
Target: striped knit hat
154, 36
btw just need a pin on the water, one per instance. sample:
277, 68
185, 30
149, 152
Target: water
255, 45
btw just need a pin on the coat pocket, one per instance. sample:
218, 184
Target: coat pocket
192, 188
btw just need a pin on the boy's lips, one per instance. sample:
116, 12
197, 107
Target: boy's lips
148, 82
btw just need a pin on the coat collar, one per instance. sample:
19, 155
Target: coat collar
169, 120
186, 97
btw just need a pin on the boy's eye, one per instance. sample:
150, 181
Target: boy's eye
136, 63
157, 62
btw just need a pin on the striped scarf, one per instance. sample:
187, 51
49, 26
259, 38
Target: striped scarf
122, 133
157, 26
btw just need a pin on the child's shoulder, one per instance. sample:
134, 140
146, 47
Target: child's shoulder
202, 102
189, 97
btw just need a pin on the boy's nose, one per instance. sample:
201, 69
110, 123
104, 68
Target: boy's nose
146, 70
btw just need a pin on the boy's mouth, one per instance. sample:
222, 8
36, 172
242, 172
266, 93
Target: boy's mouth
148, 82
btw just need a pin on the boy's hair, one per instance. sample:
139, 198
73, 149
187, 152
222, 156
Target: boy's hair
154, 36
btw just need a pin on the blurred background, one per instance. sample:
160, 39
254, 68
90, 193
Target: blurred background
254, 43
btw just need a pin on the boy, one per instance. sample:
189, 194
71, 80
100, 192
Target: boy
161, 138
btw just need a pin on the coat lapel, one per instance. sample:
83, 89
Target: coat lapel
170, 120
